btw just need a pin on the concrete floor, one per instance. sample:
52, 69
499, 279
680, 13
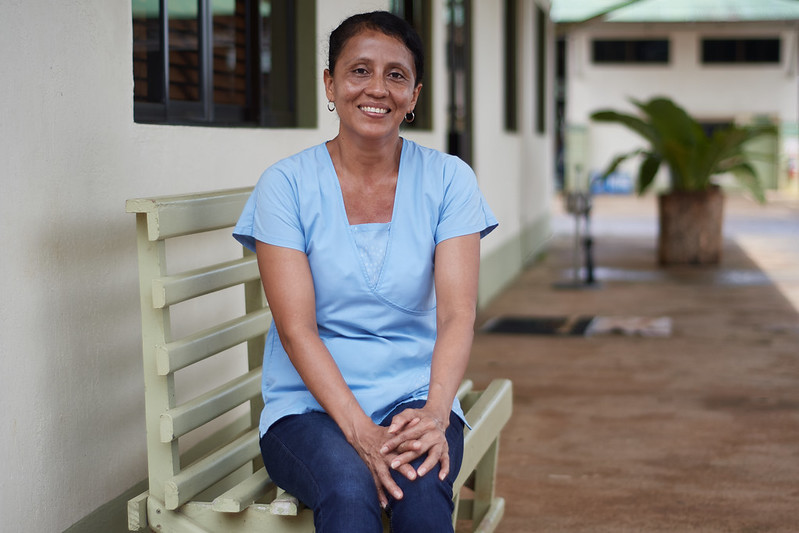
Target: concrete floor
695, 431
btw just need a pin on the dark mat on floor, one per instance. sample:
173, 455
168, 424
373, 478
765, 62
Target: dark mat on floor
539, 325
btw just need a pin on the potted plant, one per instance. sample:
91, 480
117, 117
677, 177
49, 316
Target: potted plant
691, 209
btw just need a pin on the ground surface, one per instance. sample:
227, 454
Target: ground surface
697, 431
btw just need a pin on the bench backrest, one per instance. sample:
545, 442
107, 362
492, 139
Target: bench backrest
225, 415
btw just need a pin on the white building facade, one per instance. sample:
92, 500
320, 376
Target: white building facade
719, 71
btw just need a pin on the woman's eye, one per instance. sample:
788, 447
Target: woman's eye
397, 76
360, 70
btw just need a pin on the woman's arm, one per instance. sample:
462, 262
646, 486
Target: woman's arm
457, 263
287, 281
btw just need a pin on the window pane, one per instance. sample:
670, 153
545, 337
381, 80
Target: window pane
740, 50
511, 79
762, 51
147, 57
631, 51
230, 48
651, 51
278, 50
184, 50
541, 70
225, 62
418, 14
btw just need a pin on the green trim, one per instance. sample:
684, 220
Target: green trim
111, 517
306, 64
502, 265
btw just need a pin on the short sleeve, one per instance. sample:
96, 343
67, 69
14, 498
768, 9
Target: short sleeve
464, 210
272, 213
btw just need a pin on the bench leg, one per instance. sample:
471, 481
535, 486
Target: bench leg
484, 479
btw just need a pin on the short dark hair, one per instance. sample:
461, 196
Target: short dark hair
384, 22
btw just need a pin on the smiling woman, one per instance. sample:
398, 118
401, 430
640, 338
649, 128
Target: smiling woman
370, 342
373, 86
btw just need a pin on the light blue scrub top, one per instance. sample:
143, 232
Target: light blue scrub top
375, 298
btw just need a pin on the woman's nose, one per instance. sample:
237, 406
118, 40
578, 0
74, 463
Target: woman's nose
377, 86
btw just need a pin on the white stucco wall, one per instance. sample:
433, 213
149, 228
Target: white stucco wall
515, 169
710, 92
72, 422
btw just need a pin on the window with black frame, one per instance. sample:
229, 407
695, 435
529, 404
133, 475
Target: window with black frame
736, 50
650, 51
224, 62
511, 68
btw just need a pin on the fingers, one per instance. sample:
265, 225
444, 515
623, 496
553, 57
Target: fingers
403, 420
384, 483
415, 429
381, 495
437, 454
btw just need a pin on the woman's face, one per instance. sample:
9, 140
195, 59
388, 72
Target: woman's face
373, 85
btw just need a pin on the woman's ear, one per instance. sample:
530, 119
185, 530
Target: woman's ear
416, 91
328, 78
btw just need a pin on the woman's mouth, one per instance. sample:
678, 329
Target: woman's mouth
370, 109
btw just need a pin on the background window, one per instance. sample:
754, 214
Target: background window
630, 51
740, 50
540, 70
224, 62
418, 13
511, 70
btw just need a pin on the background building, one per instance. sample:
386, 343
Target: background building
725, 60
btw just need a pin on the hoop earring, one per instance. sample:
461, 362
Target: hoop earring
410, 117
331, 106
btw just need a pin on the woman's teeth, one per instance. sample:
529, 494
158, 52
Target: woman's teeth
374, 109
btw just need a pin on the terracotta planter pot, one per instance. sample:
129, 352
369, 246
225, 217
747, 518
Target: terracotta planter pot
690, 227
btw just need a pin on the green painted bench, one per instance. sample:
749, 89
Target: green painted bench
202, 383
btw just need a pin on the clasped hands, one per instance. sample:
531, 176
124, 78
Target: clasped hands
411, 434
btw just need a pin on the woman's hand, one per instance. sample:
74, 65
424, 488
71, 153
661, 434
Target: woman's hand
415, 432
368, 440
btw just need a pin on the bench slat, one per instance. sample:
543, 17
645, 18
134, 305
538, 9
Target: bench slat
244, 494
173, 216
178, 288
175, 355
204, 408
285, 504
197, 477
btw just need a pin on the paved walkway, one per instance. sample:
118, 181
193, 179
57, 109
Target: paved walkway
695, 431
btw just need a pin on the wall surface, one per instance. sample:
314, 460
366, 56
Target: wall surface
710, 92
72, 423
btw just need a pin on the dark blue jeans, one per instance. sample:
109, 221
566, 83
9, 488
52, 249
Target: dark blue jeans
308, 456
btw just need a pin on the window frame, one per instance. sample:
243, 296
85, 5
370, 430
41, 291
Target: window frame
511, 71
419, 13
298, 107
743, 47
541, 71
633, 55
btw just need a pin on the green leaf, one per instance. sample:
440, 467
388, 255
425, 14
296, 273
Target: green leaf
746, 175
632, 122
647, 172
678, 140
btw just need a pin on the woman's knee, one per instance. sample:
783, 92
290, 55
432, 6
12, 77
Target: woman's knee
426, 505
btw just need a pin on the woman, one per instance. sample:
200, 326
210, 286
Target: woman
369, 342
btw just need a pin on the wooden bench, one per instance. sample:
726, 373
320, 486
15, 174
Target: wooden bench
202, 377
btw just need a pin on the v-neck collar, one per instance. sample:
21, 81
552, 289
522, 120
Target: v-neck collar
351, 229
337, 183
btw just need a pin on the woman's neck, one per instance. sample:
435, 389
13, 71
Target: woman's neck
376, 160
